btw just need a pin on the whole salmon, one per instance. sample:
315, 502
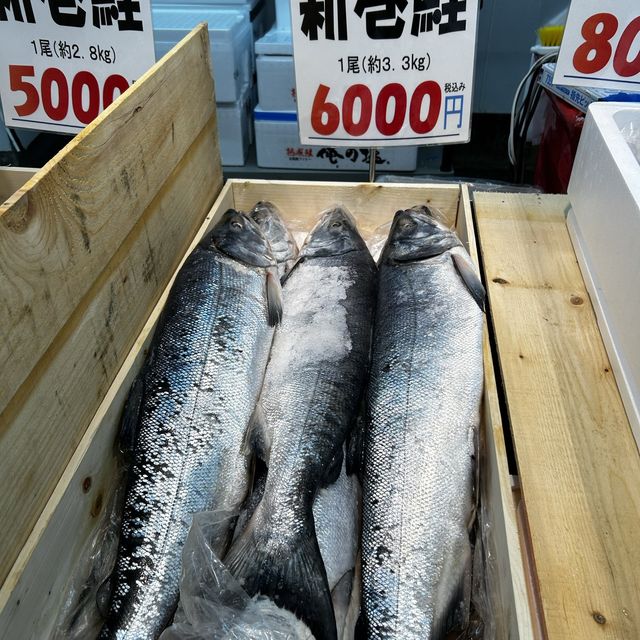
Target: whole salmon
187, 416
423, 414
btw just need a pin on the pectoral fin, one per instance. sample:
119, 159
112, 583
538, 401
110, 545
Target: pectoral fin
274, 297
126, 440
470, 278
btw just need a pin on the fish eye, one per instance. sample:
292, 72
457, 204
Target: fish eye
236, 224
336, 225
407, 224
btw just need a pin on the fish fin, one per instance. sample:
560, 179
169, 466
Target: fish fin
290, 572
254, 437
274, 297
251, 502
126, 440
103, 596
470, 278
456, 616
291, 264
332, 472
360, 632
355, 447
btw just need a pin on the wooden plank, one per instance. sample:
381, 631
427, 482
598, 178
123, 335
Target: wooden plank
44, 421
57, 235
12, 179
31, 597
578, 464
507, 578
373, 203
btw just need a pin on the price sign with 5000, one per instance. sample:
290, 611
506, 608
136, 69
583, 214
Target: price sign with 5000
85, 97
601, 46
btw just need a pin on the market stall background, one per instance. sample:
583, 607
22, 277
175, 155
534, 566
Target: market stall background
256, 36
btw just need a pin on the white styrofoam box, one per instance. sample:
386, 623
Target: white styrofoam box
283, 14
277, 42
276, 82
230, 39
278, 146
235, 130
604, 224
261, 12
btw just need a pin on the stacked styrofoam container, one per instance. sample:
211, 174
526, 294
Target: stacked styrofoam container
276, 124
231, 44
261, 13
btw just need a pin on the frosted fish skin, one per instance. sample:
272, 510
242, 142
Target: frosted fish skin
197, 391
423, 405
283, 245
336, 515
309, 402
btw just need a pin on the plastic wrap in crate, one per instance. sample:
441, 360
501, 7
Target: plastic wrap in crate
235, 130
230, 39
278, 146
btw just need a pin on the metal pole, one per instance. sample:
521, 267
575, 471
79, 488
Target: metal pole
372, 164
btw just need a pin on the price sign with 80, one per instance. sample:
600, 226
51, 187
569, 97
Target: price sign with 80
601, 46
596, 51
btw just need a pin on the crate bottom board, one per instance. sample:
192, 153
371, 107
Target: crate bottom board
32, 594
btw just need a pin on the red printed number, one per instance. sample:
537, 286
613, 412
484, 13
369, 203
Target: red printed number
388, 116
84, 96
595, 52
17, 73
622, 66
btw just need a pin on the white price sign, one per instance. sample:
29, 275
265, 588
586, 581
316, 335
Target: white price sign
601, 45
63, 61
384, 72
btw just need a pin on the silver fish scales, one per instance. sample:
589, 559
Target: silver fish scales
420, 444
189, 409
309, 403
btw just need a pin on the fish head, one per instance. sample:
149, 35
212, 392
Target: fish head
238, 237
417, 234
336, 233
267, 216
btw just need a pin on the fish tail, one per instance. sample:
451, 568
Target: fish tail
290, 572
455, 614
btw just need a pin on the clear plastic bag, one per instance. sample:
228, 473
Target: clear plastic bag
80, 616
213, 605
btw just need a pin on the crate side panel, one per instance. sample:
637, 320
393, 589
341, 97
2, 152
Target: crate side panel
46, 418
372, 203
578, 464
57, 235
31, 596
12, 179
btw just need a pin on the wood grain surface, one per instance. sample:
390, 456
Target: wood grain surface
85, 251
577, 460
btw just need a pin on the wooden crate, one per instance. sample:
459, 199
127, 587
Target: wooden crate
12, 179
88, 251
578, 464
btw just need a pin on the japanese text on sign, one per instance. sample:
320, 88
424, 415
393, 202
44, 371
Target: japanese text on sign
384, 72
601, 46
63, 61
